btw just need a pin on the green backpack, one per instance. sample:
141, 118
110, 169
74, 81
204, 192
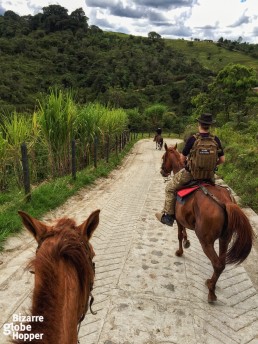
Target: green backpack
203, 157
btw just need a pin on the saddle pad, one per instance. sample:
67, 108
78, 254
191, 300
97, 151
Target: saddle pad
186, 191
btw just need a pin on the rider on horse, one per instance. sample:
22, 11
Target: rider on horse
158, 133
158, 139
184, 176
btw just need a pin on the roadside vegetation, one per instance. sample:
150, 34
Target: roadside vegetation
240, 171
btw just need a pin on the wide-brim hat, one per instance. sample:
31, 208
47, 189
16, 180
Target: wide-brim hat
206, 118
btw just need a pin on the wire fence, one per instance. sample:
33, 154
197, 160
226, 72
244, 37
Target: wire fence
37, 165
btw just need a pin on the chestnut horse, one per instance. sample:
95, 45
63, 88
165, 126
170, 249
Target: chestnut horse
213, 214
64, 275
159, 141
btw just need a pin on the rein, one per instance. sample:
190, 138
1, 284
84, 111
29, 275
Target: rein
87, 305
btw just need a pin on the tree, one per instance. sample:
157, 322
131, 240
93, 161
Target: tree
78, 20
173, 122
55, 17
137, 121
95, 29
155, 113
154, 36
56, 10
233, 85
229, 93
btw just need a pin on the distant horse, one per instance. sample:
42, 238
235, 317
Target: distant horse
159, 141
212, 214
64, 275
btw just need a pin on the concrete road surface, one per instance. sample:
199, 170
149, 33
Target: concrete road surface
144, 294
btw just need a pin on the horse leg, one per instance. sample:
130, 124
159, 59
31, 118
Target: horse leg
218, 266
186, 242
223, 247
181, 231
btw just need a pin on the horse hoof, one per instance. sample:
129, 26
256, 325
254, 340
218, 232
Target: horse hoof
179, 253
212, 298
187, 244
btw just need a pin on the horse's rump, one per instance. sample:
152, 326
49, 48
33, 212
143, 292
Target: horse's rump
159, 141
197, 208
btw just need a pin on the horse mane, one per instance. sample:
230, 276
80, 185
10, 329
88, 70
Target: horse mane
66, 245
70, 246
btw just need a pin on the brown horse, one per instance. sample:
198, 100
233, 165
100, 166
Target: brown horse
64, 275
159, 141
213, 215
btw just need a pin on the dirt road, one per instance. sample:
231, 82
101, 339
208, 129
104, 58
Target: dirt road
144, 294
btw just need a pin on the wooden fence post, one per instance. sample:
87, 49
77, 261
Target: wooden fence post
107, 151
95, 151
26, 171
73, 159
119, 143
123, 139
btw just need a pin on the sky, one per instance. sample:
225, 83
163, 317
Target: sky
177, 19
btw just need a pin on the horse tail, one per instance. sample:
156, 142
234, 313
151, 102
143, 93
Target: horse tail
242, 234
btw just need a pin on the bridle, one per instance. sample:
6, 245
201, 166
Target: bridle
90, 303
87, 305
92, 264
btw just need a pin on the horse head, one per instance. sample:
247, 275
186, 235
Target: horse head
63, 266
170, 161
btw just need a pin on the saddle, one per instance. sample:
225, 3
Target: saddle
184, 192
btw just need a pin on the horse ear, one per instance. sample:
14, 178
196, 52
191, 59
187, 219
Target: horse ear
88, 227
34, 226
175, 147
165, 146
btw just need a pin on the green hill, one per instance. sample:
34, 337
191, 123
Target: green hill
56, 49
212, 56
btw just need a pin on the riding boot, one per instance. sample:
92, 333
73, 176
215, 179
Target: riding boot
166, 219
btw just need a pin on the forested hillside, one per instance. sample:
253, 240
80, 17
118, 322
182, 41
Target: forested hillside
53, 48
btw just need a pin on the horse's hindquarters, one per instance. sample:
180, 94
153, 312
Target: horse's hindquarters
202, 214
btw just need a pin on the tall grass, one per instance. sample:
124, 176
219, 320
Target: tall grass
56, 117
113, 121
97, 121
48, 134
16, 129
